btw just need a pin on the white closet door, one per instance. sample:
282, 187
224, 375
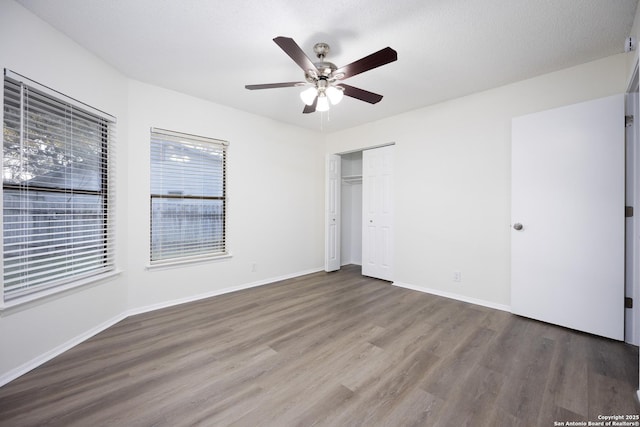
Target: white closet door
567, 236
332, 213
377, 212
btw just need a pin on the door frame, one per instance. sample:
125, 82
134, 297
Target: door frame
632, 231
632, 315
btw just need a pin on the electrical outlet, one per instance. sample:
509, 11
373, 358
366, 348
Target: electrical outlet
457, 276
254, 267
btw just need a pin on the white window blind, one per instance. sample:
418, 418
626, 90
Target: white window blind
57, 193
188, 196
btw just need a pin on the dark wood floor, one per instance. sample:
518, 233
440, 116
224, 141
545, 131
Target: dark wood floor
329, 350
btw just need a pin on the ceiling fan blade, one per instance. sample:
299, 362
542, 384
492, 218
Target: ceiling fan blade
292, 49
274, 85
310, 108
381, 57
361, 94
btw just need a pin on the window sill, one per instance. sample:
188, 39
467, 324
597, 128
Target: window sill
57, 290
173, 263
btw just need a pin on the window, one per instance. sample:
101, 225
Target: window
56, 190
188, 197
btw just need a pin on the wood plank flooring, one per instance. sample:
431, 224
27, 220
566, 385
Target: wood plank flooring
333, 349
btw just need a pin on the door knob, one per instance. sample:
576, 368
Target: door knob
517, 226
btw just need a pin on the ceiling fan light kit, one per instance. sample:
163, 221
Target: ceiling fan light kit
323, 103
335, 94
323, 76
309, 95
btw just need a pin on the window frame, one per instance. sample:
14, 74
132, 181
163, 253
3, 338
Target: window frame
185, 139
106, 264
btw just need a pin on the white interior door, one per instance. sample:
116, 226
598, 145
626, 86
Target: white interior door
377, 212
332, 213
567, 260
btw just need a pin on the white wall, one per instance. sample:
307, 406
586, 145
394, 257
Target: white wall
453, 178
43, 327
275, 190
275, 184
632, 58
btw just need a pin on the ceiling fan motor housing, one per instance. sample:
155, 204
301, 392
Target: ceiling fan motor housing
324, 70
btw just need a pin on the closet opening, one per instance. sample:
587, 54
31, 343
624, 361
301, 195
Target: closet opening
351, 209
359, 211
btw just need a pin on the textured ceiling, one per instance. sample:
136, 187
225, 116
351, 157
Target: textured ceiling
446, 48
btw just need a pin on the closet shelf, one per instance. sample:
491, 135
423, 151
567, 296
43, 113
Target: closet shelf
352, 179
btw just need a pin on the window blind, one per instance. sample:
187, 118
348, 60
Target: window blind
188, 196
58, 195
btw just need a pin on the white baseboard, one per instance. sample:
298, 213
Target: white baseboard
45, 357
451, 295
166, 304
638, 395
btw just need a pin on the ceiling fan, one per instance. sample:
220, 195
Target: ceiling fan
322, 77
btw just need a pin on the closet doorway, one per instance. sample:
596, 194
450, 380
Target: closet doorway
359, 211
